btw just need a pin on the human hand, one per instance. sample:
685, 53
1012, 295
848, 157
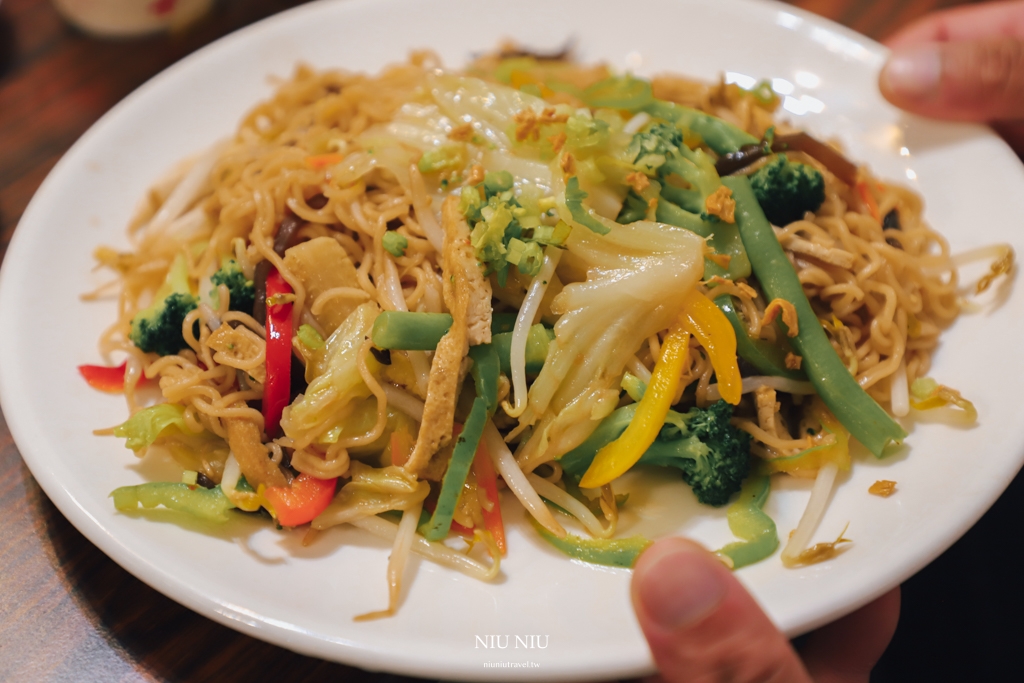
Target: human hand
964, 64
703, 627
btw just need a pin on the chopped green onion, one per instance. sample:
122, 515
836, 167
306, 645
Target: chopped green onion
395, 243
574, 197
526, 256
442, 158
633, 386
309, 337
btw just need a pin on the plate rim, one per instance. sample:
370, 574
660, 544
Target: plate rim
91, 527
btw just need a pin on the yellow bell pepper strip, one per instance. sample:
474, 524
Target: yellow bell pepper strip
709, 325
611, 552
614, 459
748, 521
712, 455
806, 463
926, 393
705, 321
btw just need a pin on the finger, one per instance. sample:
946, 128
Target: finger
845, 651
700, 623
990, 20
981, 80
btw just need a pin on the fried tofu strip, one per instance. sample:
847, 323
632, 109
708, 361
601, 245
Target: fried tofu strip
467, 294
836, 257
767, 407
247, 446
240, 348
324, 267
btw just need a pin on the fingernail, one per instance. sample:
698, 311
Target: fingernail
913, 72
680, 586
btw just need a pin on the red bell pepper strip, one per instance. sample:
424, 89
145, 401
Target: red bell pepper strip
869, 200
318, 161
487, 480
277, 388
105, 378
401, 447
300, 502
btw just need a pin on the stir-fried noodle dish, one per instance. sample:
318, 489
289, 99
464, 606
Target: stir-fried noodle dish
392, 301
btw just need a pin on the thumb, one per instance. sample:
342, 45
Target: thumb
702, 625
970, 80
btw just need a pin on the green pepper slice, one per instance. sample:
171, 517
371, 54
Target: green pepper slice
748, 521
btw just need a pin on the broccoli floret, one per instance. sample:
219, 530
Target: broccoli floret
713, 456
634, 208
157, 328
653, 146
716, 457
687, 177
243, 292
786, 189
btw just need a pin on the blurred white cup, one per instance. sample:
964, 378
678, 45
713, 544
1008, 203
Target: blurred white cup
125, 18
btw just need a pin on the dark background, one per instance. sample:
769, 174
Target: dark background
67, 612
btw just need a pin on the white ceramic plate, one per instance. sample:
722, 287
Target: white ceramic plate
263, 583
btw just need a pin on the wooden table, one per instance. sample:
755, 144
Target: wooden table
67, 612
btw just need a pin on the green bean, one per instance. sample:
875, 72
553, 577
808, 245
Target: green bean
537, 341
768, 358
725, 239
851, 405
409, 331
414, 331
485, 371
458, 469
719, 135
406, 331
503, 322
